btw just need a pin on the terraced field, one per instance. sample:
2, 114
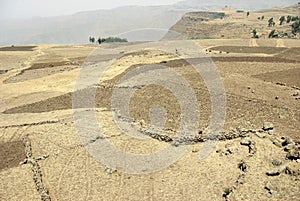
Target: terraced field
256, 155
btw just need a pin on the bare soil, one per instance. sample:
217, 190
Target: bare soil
18, 48
261, 85
289, 77
11, 154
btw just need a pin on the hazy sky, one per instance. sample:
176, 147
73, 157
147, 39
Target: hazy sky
43, 8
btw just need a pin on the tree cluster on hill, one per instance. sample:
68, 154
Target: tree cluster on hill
288, 19
107, 40
295, 27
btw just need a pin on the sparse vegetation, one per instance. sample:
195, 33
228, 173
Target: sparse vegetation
217, 15
248, 13
108, 40
115, 39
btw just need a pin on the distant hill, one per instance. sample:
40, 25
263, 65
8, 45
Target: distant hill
213, 5
233, 23
78, 27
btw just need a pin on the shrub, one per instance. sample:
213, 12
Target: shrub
217, 15
271, 22
254, 32
296, 27
272, 33
281, 19
91, 39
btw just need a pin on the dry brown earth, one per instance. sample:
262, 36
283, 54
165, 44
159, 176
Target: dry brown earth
261, 83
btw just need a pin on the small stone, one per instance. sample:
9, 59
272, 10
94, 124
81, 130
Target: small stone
293, 154
228, 151
289, 147
268, 126
246, 141
276, 141
243, 166
293, 169
227, 192
277, 162
276, 97
260, 135
277, 171
110, 170
296, 93
176, 143
252, 148
270, 188
287, 141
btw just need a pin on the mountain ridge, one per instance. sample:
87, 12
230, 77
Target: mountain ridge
78, 27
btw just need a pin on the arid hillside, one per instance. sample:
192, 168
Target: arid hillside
256, 157
232, 23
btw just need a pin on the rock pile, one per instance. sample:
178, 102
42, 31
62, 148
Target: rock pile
277, 170
240, 180
247, 141
293, 155
37, 174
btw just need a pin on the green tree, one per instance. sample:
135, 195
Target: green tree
254, 32
271, 22
271, 34
294, 18
91, 39
288, 19
281, 19
296, 27
248, 13
263, 17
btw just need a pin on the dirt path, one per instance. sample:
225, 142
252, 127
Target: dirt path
280, 43
253, 43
